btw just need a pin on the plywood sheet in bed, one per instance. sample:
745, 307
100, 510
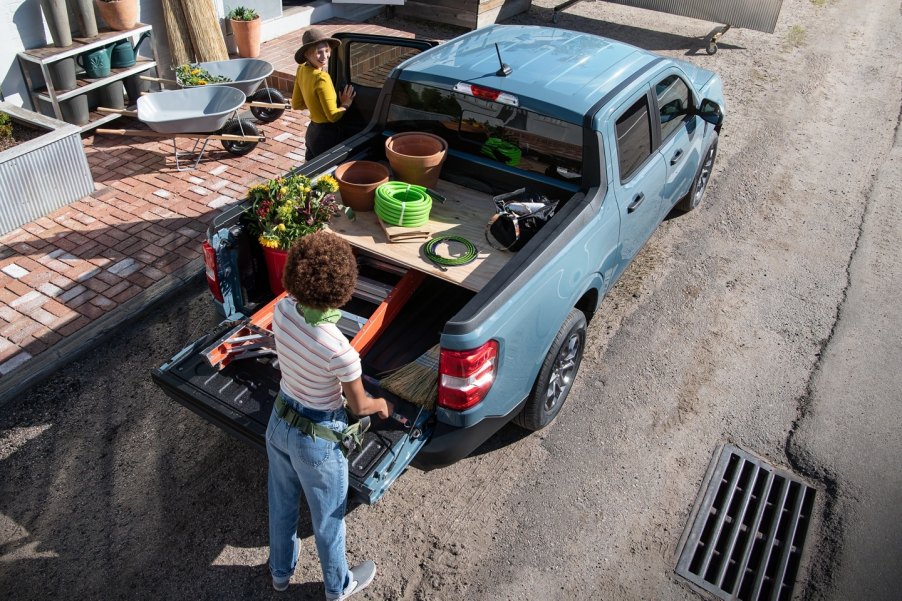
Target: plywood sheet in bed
464, 213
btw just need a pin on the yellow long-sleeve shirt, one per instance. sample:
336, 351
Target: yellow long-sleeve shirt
313, 90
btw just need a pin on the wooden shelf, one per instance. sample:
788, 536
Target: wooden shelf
84, 84
41, 89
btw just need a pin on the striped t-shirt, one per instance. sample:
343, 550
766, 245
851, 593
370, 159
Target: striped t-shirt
314, 359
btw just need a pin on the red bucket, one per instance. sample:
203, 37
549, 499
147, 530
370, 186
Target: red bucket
275, 265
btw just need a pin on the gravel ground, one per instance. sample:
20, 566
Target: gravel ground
109, 490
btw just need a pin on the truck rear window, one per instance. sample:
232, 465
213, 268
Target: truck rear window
499, 132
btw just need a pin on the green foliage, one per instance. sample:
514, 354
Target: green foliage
188, 75
242, 13
796, 36
6, 127
286, 208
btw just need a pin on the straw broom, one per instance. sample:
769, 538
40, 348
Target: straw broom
206, 34
180, 48
416, 382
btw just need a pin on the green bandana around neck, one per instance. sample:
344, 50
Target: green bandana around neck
316, 317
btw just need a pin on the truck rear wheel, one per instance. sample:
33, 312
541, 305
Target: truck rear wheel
557, 374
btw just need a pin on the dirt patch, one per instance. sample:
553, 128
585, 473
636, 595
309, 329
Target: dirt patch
20, 133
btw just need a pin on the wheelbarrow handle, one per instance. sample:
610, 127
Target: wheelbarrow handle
125, 112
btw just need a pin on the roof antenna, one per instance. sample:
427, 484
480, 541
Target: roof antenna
505, 69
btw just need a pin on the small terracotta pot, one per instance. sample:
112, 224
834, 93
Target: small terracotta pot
416, 157
247, 37
357, 182
119, 15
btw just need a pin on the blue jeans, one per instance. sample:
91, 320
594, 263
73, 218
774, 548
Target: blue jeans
298, 463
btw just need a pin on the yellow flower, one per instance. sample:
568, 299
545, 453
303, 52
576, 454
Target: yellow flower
281, 227
268, 242
195, 72
283, 190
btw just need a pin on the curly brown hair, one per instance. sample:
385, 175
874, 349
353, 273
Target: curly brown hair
320, 271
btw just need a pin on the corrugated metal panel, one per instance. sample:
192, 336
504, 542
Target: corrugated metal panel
760, 15
58, 174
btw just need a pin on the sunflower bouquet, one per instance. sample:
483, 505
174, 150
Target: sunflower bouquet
286, 208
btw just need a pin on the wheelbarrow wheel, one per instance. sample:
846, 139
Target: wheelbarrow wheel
264, 114
239, 127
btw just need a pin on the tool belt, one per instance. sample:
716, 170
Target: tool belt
351, 438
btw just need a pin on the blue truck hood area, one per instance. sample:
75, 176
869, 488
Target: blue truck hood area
557, 72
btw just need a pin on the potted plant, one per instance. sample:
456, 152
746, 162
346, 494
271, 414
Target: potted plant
119, 15
285, 208
245, 24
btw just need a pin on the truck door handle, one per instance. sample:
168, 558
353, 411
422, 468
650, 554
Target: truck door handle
636, 202
676, 157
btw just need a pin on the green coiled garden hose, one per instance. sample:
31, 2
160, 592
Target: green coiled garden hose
403, 204
468, 257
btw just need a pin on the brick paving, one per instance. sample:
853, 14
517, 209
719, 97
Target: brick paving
70, 276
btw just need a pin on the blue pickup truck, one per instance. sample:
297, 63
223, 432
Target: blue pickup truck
618, 137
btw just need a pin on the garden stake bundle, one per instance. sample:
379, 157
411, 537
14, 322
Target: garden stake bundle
416, 382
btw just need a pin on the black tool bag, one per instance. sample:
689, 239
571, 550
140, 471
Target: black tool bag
520, 214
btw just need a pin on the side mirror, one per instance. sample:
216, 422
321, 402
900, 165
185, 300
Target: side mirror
710, 112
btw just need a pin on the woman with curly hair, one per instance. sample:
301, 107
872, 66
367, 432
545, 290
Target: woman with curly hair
320, 369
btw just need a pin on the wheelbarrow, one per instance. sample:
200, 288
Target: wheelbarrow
246, 74
203, 113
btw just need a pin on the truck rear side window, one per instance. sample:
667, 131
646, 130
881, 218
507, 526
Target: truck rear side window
507, 134
633, 138
371, 63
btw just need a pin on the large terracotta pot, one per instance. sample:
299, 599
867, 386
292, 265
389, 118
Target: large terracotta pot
247, 37
275, 266
416, 157
119, 15
357, 182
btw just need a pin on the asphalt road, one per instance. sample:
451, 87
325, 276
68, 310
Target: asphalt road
767, 319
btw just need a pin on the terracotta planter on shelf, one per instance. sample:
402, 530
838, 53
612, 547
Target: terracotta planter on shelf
416, 157
247, 37
357, 182
119, 15
275, 266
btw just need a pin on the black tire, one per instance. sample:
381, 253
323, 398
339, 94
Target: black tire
711, 48
239, 127
557, 374
700, 184
267, 115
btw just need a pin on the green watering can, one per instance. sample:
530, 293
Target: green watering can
96, 63
124, 54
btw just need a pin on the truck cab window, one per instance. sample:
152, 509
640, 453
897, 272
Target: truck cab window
633, 138
673, 104
506, 134
371, 63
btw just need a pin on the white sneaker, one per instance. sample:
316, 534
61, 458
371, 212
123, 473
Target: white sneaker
361, 577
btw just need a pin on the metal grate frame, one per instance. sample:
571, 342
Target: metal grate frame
750, 524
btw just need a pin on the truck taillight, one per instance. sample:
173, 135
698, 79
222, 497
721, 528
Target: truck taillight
465, 377
212, 272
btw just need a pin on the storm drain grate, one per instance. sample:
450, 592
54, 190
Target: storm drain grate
749, 529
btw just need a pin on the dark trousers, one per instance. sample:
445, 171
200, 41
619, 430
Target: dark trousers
321, 137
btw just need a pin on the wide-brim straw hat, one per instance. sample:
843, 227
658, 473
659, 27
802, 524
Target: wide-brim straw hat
312, 37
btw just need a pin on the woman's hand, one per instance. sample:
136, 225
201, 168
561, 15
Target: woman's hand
347, 96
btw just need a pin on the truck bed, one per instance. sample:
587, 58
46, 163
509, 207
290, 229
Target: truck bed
464, 213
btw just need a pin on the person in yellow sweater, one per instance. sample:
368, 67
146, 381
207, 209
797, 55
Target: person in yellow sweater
314, 91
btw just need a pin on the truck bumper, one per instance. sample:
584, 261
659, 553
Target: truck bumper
449, 444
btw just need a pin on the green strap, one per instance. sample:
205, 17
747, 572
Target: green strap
308, 427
